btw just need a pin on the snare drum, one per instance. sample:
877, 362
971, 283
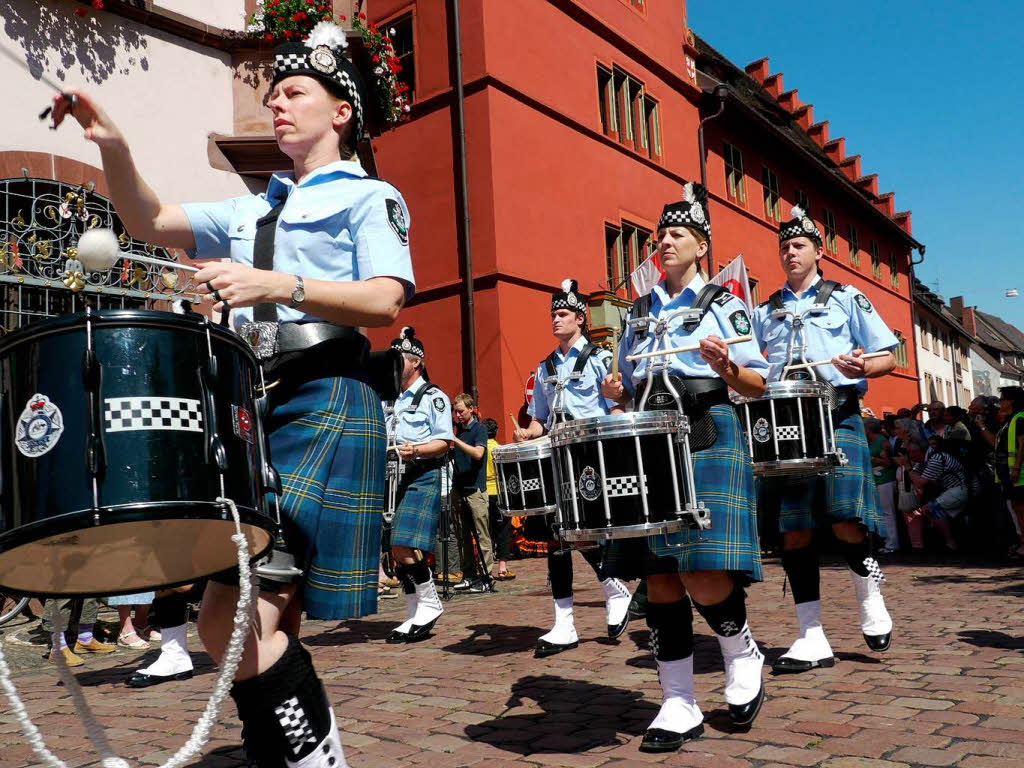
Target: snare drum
120, 429
525, 476
625, 475
789, 429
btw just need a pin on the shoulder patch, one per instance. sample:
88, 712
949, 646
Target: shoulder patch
396, 218
740, 322
862, 302
439, 404
724, 298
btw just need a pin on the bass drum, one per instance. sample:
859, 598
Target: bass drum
120, 430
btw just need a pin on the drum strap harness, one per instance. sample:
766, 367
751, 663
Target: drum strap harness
821, 295
413, 469
577, 372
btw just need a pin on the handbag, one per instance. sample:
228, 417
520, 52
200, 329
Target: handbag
906, 497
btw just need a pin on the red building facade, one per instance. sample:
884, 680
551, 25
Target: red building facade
580, 123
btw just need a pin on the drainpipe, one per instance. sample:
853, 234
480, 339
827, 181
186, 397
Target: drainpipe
722, 93
469, 312
913, 318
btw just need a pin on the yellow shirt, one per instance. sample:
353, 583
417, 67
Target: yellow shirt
492, 486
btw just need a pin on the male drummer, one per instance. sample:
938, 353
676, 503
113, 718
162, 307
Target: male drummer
842, 330
567, 386
421, 428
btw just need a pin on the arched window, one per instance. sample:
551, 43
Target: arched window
41, 221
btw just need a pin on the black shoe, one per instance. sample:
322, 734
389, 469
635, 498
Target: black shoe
460, 585
879, 643
479, 587
544, 648
616, 630
787, 665
744, 714
419, 631
396, 637
139, 679
660, 740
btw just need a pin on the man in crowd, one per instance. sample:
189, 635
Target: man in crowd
469, 498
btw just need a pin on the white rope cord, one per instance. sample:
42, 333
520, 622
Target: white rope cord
221, 688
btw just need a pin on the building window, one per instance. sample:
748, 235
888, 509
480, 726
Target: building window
613, 258
894, 275
831, 241
876, 261
755, 291
653, 127
401, 32
937, 335
734, 174
854, 243
802, 200
926, 341
606, 102
626, 248
929, 389
945, 349
770, 185
949, 393
900, 353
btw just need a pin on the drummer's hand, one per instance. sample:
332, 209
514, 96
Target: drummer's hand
405, 451
98, 127
715, 353
612, 388
851, 366
242, 286
519, 435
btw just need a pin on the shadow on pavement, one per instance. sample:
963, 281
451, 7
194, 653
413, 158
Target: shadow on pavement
984, 638
496, 640
350, 632
576, 716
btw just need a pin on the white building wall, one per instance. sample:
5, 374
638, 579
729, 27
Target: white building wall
226, 14
165, 93
934, 341
986, 378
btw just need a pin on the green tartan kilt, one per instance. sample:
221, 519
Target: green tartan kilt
846, 494
418, 511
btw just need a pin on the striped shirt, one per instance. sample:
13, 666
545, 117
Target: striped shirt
944, 469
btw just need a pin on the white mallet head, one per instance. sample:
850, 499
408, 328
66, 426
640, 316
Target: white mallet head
98, 250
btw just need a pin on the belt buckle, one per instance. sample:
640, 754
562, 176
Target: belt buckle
262, 337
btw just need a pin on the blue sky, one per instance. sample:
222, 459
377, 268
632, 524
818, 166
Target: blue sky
930, 94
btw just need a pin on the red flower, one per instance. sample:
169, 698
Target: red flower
362, 16
341, 16
268, 37
97, 4
80, 12
375, 59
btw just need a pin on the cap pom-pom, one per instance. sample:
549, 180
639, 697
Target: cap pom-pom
688, 195
797, 212
568, 285
327, 33
407, 332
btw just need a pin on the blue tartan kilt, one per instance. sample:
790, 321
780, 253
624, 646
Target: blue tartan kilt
328, 442
724, 478
418, 511
846, 494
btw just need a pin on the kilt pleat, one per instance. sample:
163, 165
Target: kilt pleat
328, 442
418, 512
846, 494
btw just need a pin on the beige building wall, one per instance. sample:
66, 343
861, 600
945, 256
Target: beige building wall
166, 93
939, 347
226, 14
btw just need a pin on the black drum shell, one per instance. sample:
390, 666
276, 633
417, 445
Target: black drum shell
514, 475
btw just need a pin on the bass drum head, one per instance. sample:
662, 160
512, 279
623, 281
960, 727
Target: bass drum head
132, 549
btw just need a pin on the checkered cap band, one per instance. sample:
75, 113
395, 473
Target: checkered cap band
681, 214
572, 300
795, 228
294, 59
411, 346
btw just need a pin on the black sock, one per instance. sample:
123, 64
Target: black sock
857, 553
802, 569
671, 627
594, 557
169, 611
727, 617
284, 709
420, 572
403, 573
560, 573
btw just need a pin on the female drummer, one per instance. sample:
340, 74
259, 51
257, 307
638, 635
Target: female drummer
714, 566
340, 259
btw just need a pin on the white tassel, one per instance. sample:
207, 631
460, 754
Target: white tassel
797, 212
567, 285
327, 33
407, 332
688, 195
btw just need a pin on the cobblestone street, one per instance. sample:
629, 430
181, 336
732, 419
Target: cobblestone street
949, 692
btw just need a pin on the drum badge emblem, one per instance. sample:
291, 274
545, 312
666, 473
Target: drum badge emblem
39, 427
513, 484
590, 484
762, 430
241, 422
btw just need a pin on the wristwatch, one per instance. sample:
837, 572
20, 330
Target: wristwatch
299, 294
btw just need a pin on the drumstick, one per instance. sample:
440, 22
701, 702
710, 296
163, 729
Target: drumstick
615, 356
515, 424
680, 350
815, 364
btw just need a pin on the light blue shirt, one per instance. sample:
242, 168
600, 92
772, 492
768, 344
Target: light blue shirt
727, 318
581, 398
850, 322
432, 420
338, 224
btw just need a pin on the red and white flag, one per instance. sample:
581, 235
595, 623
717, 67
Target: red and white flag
734, 278
647, 275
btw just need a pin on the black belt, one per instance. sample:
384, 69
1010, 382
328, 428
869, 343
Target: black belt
309, 351
848, 397
419, 467
708, 391
299, 337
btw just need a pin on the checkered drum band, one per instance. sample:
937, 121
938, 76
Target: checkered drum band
135, 414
